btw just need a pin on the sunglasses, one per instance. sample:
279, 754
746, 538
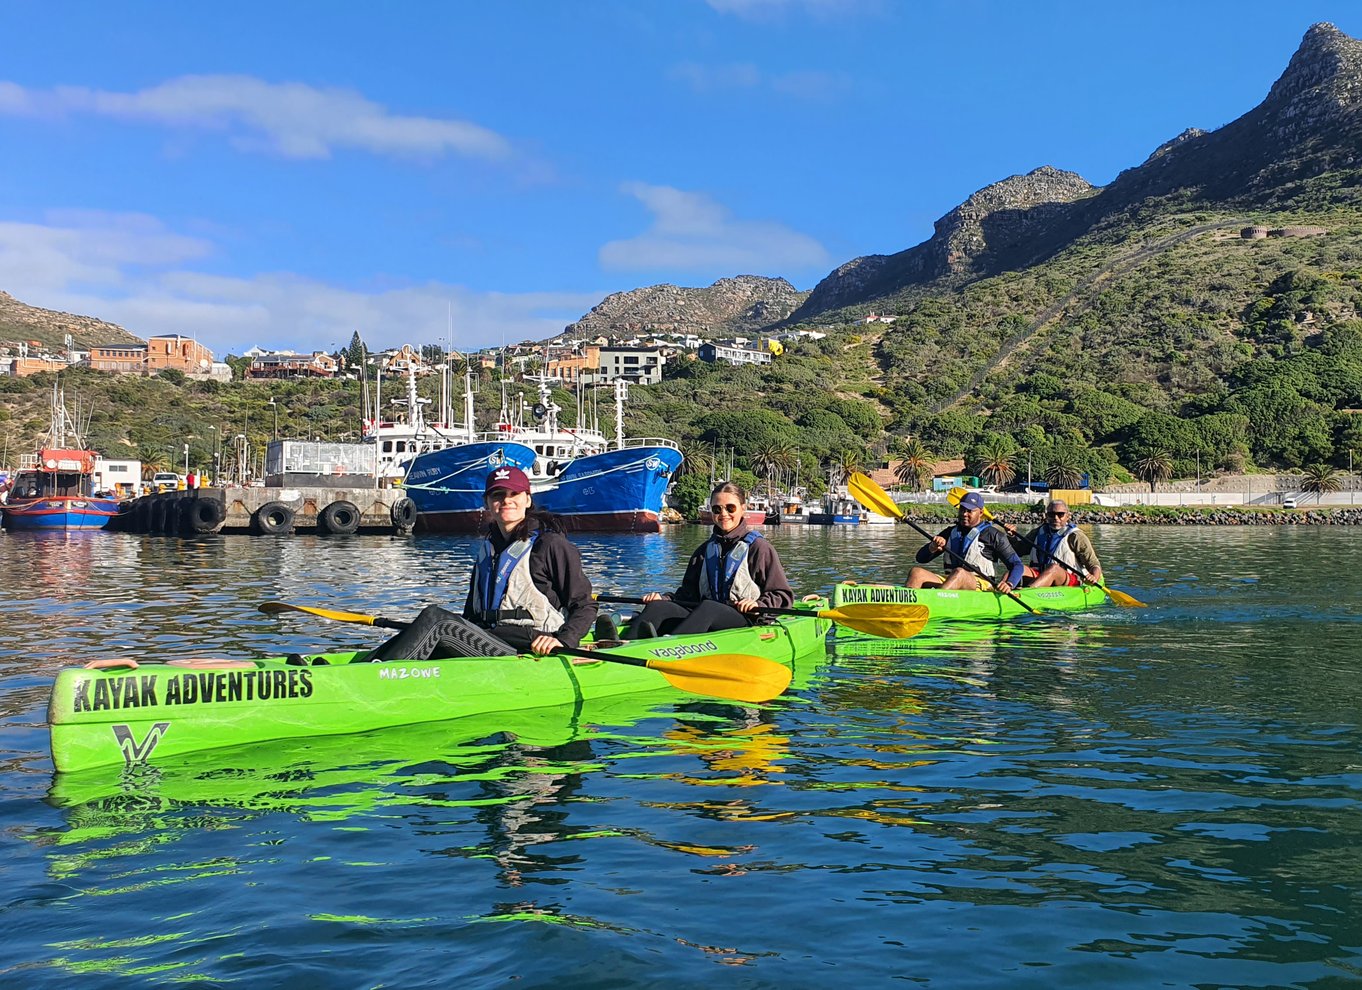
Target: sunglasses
729, 509
1055, 515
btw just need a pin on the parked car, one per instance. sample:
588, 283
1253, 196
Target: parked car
166, 481
1289, 502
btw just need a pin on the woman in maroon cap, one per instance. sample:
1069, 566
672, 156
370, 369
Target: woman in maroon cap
527, 592
731, 575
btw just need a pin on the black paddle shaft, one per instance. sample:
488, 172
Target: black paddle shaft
970, 567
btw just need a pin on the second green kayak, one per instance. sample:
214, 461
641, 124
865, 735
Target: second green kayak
976, 605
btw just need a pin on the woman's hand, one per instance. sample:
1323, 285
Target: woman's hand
652, 596
746, 605
544, 644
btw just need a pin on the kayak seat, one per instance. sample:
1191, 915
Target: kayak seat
605, 629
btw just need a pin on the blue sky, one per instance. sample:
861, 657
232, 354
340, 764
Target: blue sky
284, 174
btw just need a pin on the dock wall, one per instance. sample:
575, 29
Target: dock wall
269, 511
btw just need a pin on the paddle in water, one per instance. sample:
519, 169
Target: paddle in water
877, 500
1119, 597
883, 620
733, 676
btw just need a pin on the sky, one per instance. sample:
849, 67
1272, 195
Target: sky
285, 174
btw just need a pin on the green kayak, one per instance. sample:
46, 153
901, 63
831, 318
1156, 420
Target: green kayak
971, 605
155, 711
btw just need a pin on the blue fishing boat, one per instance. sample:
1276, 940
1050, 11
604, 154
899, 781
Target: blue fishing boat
592, 485
447, 485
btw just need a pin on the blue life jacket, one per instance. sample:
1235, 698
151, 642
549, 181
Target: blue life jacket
1047, 543
490, 581
721, 577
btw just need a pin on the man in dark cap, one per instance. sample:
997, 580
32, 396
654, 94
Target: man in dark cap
974, 549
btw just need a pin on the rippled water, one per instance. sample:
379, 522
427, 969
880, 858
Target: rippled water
1129, 798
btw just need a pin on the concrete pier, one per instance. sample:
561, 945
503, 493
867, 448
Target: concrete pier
269, 511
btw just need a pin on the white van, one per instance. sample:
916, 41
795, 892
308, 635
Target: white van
165, 481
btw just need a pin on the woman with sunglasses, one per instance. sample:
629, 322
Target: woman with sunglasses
731, 575
1058, 539
527, 592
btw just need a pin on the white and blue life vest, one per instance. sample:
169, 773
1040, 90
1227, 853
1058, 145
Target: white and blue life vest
728, 579
503, 592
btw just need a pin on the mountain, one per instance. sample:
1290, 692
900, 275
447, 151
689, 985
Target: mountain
1273, 157
21, 322
741, 305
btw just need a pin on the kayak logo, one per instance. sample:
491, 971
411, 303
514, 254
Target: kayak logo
133, 751
689, 649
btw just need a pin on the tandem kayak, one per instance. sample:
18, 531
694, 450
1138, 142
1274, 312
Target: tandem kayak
153, 711
971, 605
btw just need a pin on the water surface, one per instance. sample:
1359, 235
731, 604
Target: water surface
1127, 798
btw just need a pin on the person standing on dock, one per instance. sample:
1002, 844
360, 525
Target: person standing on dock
978, 544
730, 575
527, 591
1056, 543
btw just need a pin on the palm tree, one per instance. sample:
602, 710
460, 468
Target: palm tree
1320, 478
698, 459
844, 463
915, 465
995, 460
1065, 467
1154, 466
771, 459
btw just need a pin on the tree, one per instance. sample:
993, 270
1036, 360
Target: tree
1320, 478
915, 465
1064, 468
1154, 466
994, 459
698, 460
356, 353
844, 462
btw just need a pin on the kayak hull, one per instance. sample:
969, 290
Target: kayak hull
158, 711
972, 605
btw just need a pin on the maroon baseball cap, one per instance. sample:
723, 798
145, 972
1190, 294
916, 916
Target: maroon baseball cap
510, 479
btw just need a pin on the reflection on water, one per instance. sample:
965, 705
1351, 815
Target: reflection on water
1157, 797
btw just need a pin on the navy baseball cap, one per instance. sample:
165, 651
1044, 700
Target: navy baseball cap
972, 500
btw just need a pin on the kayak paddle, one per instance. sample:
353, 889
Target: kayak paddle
735, 676
874, 619
1119, 597
877, 500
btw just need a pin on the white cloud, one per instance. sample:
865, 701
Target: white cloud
709, 78
766, 10
293, 120
808, 84
691, 231
131, 270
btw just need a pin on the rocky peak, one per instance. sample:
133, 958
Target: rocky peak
989, 231
1324, 76
741, 304
1002, 215
21, 322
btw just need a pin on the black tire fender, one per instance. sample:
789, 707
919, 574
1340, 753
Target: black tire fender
156, 515
341, 518
272, 518
203, 515
404, 513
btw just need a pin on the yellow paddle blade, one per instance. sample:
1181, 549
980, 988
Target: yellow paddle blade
736, 676
872, 496
275, 608
883, 620
1122, 599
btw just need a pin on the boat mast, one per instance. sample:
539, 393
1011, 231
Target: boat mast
621, 393
468, 401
